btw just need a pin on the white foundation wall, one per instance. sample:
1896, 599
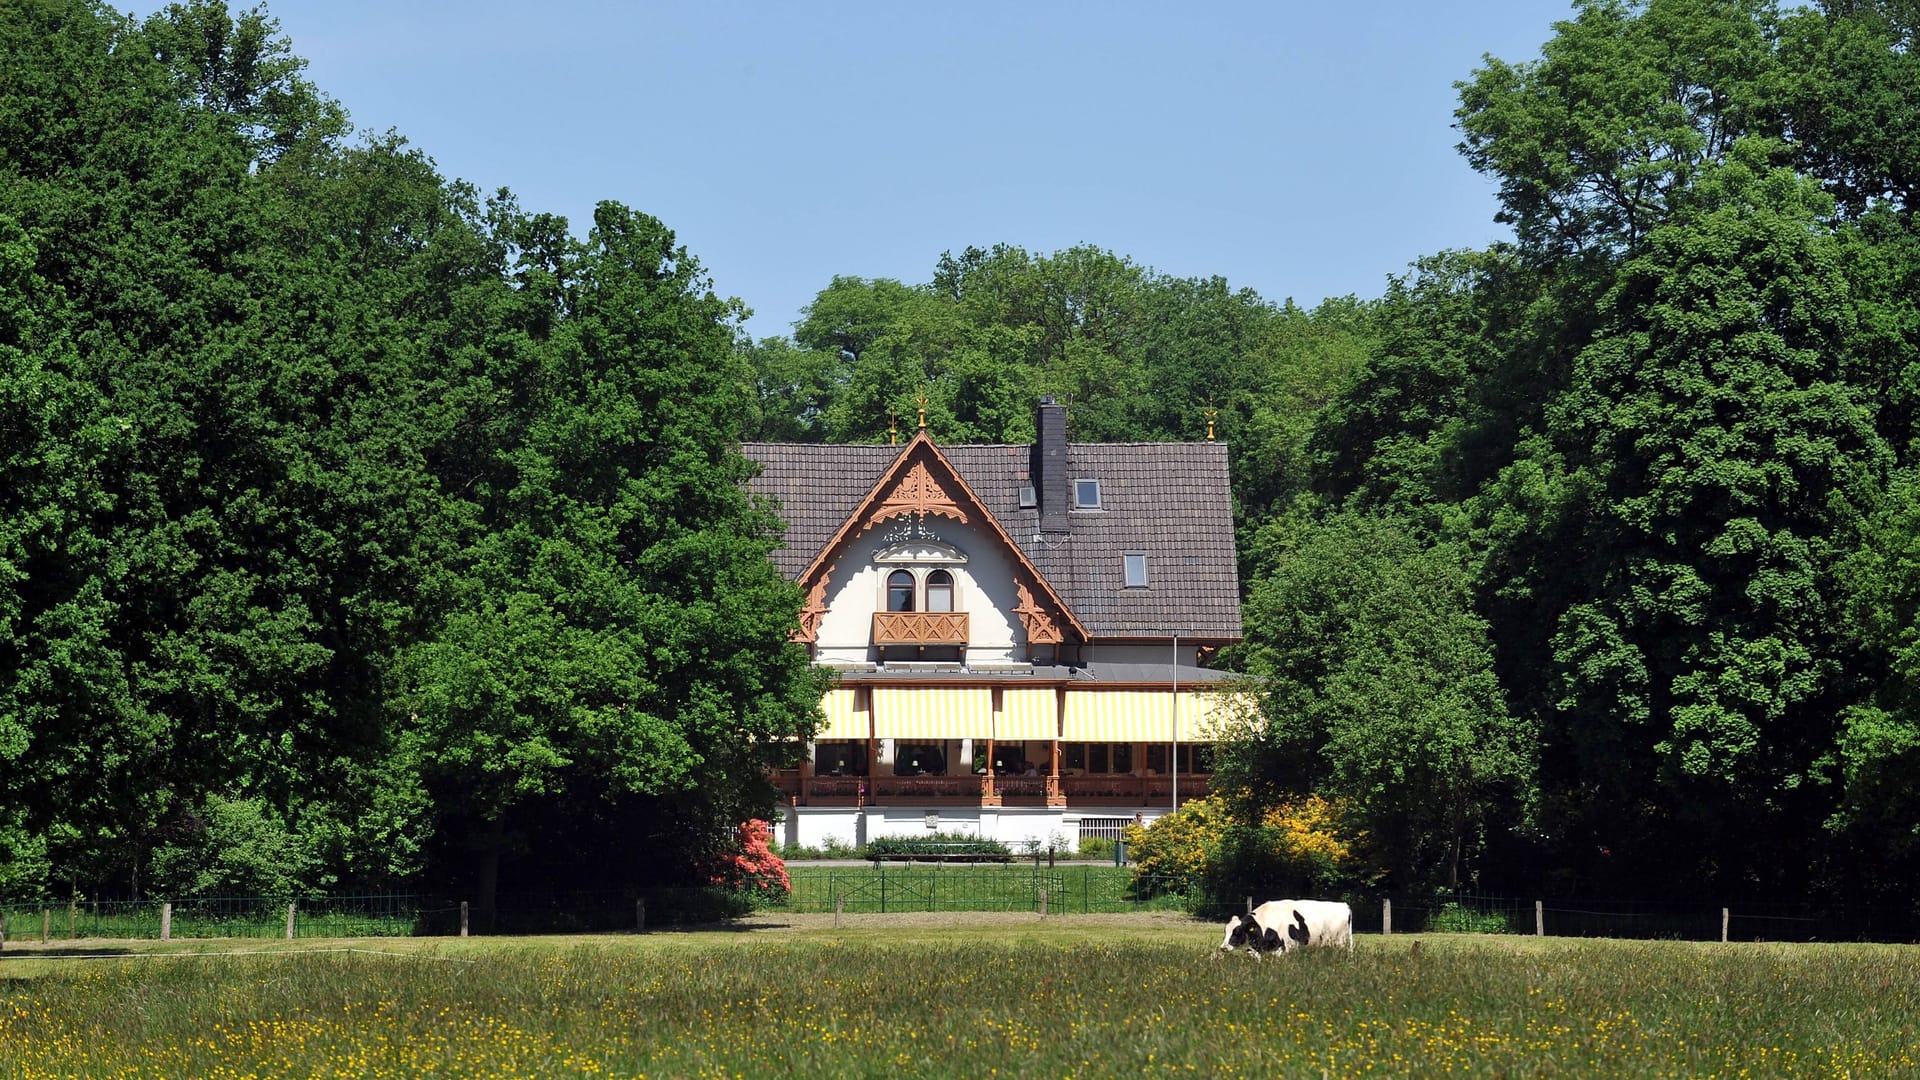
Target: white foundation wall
1018, 827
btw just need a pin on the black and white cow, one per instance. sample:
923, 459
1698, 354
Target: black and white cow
1279, 925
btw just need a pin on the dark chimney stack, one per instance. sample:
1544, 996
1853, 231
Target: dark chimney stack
1051, 484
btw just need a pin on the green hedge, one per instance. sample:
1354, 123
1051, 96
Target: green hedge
935, 844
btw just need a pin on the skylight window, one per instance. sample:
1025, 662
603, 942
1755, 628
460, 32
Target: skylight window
1086, 494
1134, 569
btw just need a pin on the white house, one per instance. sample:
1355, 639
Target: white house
1020, 632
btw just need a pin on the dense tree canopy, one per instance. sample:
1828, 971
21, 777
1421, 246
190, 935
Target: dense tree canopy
1583, 561
357, 531
1665, 430
360, 529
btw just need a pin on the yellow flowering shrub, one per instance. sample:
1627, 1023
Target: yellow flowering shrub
1311, 834
1173, 850
1302, 846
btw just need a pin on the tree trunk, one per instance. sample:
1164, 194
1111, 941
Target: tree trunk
487, 881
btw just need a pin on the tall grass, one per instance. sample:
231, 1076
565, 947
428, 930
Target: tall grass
1063, 998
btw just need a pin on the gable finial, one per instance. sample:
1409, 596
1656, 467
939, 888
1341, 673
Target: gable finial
922, 399
1210, 412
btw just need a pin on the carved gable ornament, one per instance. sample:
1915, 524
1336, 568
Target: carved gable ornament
1035, 619
922, 482
916, 492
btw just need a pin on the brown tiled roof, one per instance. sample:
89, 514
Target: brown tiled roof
1168, 500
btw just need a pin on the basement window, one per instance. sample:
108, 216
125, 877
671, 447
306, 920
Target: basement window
1086, 494
1134, 569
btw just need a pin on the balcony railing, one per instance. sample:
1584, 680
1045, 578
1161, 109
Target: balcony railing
1089, 790
919, 628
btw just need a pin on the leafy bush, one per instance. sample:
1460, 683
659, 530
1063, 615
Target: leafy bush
935, 844
831, 848
1094, 847
1303, 847
1455, 919
754, 869
1174, 849
232, 847
1300, 847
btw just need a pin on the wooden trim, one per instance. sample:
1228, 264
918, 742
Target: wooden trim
920, 628
886, 499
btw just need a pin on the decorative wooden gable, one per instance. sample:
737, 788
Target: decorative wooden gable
920, 482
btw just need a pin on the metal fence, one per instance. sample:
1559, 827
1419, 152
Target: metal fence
1748, 920
392, 915
1020, 886
1104, 828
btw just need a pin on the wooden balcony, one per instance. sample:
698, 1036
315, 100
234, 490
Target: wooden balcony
919, 628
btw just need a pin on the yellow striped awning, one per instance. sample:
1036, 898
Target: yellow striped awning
1202, 710
1139, 715
931, 712
1026, 714
843, 722
1117, 716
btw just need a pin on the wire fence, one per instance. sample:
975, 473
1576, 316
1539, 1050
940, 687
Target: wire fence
387, 915
1017, 887
1743, 920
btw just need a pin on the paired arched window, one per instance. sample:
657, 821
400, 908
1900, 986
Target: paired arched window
900, 591
903, 592
939, 591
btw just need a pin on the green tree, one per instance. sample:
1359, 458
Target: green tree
1596, 143
1725, 462
618, 624
1376, 687
1879, 740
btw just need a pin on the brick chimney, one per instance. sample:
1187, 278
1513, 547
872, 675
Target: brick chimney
1052, 486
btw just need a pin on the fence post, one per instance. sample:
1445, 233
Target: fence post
1724, 914
838, 902
1043, 902
1386, 917
73, 919
1249, 905
166, 920
290, 906
640, 914
463, 918
1539, 918
46, 924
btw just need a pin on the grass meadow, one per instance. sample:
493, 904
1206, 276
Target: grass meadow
937, 995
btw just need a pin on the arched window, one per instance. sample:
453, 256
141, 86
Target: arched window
939, 591
900, 591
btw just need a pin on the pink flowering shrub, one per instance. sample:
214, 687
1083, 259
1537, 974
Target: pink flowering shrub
755, 869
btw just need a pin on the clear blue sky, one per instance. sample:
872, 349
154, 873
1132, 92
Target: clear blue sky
1303, 150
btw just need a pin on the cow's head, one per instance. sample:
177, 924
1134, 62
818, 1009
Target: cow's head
1236, 933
